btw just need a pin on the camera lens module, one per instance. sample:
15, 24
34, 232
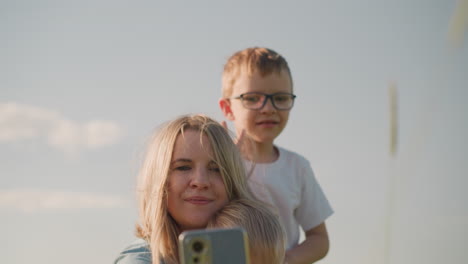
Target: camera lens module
197, 246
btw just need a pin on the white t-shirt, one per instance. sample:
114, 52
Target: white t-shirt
289, 185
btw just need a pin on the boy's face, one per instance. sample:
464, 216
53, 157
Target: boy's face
265, 124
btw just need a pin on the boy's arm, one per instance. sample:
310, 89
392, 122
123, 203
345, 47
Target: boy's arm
313, 248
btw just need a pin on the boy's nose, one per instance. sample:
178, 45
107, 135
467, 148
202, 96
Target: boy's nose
268, 107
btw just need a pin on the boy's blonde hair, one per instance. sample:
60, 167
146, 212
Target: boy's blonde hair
248, 61
156, 226
265, 234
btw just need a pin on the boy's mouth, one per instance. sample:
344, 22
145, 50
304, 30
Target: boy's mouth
267, 123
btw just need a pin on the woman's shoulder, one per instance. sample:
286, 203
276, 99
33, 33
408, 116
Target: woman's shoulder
136, 253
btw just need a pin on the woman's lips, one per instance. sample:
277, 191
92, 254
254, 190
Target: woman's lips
199, 200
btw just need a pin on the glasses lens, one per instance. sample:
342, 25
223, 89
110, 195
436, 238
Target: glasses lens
283, 101
253, 100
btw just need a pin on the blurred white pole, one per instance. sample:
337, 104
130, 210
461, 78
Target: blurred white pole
392, 178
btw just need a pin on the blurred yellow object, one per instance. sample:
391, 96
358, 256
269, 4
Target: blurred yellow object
458, 23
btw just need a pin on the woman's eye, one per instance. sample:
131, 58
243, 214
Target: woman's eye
182, 168
215, 169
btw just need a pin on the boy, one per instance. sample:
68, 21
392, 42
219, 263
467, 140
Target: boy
264, 231
257, 97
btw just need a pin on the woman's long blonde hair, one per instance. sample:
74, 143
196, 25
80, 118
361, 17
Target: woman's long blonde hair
156, 226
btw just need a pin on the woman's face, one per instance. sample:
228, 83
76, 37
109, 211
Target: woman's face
195, 188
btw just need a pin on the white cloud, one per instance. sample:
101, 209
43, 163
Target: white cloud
32, 200
101, 133
23, 122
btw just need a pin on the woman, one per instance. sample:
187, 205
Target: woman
191, 170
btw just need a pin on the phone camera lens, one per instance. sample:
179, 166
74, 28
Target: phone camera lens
197, 246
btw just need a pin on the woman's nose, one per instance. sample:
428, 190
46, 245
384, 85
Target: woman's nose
200, 179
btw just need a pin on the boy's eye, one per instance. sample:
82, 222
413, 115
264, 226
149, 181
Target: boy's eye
281, 98
251, 98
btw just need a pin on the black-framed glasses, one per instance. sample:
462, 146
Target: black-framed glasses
257, 100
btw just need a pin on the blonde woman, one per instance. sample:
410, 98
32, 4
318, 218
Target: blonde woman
191, 170
265, 234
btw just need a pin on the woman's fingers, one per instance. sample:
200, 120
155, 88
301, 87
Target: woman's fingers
240, 138
224, 124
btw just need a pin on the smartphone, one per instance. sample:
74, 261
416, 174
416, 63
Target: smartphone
214, 246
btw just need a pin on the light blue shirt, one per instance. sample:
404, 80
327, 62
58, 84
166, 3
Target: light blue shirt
136, 253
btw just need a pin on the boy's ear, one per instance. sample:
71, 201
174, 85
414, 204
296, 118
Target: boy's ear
225, 106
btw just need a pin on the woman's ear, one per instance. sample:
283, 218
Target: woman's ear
225, 106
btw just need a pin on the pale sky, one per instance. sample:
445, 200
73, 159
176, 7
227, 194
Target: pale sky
83, 84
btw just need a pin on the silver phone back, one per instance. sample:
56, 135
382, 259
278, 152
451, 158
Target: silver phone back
214, 246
